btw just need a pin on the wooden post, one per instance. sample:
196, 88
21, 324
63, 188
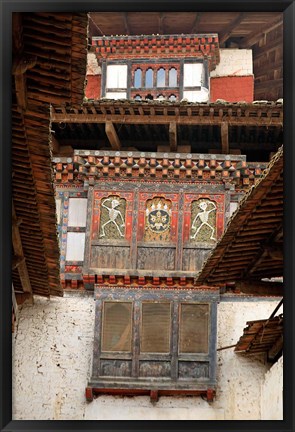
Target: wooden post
224, 138
173, 136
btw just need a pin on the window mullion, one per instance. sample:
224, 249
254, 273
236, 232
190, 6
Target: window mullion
136, 338
174, 340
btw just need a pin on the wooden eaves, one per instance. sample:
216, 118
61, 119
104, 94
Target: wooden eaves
49, 64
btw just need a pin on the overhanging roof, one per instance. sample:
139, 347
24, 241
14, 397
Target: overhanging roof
251, 247
49, 64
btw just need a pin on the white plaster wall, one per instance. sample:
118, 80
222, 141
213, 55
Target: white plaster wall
92, 65
272, 393
234, 61
52, 354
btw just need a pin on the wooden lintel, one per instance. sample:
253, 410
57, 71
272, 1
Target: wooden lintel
224, 138
164, 119
18, 251
173, 136
254, 37
112, 136
233, 24
260, 288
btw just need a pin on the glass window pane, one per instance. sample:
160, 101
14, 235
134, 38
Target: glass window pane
172, 77
137, 78
172, 98
116, 76
161, 78
193, 334
156, 324
116, 329
77, 212
137, 97
192, 74
149, 78
75, 246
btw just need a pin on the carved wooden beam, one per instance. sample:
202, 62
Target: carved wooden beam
225, 34
112, 136
18, 251
173, 136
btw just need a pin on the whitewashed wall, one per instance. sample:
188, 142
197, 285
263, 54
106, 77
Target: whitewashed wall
272, 393
233, 61
52, 353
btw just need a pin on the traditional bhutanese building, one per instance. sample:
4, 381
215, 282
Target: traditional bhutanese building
168, 188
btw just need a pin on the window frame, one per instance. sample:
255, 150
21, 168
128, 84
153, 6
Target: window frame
173, 360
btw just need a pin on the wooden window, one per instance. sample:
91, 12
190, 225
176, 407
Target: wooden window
161, 77
192, 74
172, 77
149, 78
116, 82
155, 328
75, 246
193, 334
153, 339
77, 212
137, 78
116, 328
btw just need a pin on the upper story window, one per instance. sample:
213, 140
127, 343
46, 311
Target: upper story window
116, 82
172, 77
161, 77
137, 78
149, 78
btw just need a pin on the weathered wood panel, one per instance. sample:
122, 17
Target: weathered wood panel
193, 259
154, 369
104, 256
156, 258
192, 369
115, 367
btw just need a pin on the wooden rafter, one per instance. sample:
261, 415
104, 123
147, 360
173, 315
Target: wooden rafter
254, 37
126, 23
194, 28
225, 34
112, 136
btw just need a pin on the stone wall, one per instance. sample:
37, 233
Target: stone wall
52, 354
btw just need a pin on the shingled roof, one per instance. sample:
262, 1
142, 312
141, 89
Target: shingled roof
251, 248
49, 64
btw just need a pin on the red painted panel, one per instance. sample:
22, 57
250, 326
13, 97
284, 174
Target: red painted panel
98, 196
232, 88
93, 87
219, 201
